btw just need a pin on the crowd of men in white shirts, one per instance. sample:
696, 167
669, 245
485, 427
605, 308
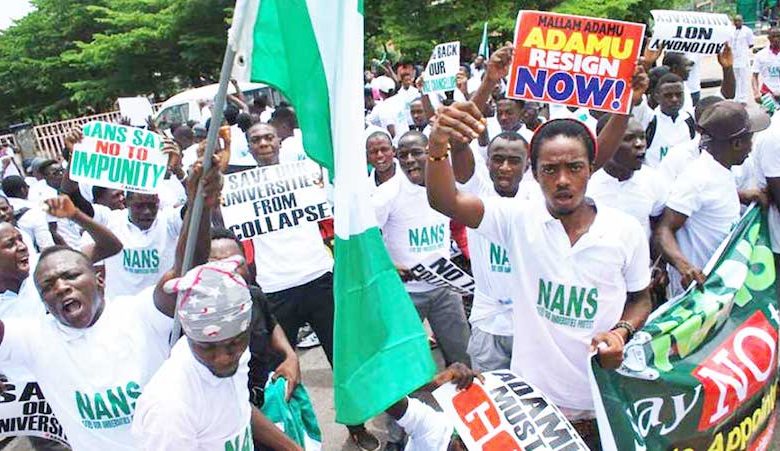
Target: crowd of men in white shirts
574, 224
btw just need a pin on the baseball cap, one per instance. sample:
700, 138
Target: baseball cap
728, 119
383, 83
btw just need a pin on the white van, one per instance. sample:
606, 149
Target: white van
185, 106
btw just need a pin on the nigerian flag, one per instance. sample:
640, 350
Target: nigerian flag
312, 51
484, 50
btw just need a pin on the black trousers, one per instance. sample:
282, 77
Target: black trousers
310, 303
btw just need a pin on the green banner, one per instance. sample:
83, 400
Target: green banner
702, 373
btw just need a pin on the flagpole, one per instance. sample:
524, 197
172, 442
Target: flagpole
211, 142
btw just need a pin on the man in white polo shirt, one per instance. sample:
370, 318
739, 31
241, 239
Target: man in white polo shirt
668, 124
703, 203
766, 68
741, 43
490, 344
580, 270
199, 399
93, 358
625, 184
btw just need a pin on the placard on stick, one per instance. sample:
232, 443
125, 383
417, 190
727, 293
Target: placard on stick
442, 68
120, 157
691, 32
573, 60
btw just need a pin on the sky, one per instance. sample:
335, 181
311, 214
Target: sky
11, 10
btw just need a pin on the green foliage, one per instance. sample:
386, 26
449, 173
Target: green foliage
68, 55
629, 10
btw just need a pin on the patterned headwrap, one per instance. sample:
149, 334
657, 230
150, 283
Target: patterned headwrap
214, 303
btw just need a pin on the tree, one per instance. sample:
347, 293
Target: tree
32, 73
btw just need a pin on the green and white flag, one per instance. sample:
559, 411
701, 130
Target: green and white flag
484, 50
702, 373
312, 51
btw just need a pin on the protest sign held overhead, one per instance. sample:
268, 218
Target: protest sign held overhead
271, 198
702, 373
690, 31
507, 413
136, 109
442, 68
120, 157
575, 61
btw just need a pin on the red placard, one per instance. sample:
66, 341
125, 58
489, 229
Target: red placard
574, 60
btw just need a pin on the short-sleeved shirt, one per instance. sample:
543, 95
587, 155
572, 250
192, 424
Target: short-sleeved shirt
664, 132
642, 196
741, 43
565, 294
491, 310
766, 164
705, 192
146, 254
186, 407
767, 65
93, 377
411, 230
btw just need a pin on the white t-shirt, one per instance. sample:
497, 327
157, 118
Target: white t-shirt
35, 223
171, 193
411, 229
428, 429
11, 169
663, 132
642, 196
767, 65
290, 257
693, 83
146, 254
741, 43
678, 158
491, 311
706, 193
565, 294
185, 407
766, 164
93, 377
25, 303
291, 149
67, 229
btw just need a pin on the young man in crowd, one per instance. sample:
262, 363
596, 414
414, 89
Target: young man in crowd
580, 270
490, 343
380, 154
294, 270
31, 222
766, 69
104, 352
741, 44
625, 183
198, 399
668, 124
703, 203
